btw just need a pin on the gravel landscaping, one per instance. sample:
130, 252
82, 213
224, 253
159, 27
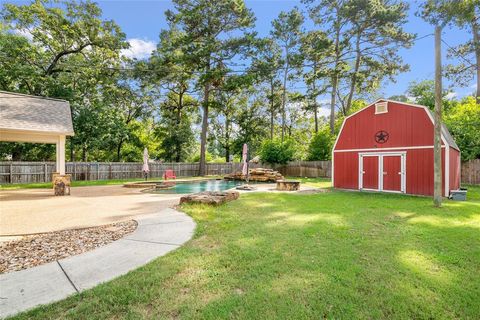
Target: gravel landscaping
34, 250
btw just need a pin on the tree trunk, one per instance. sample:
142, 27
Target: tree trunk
203, 136
284, 95
437, 147
227, 138
314, 97
272, 106
72, 150
119, 149
476, 43
178, 120
84, 153
334, 81
333, 102
354, 76
17, 153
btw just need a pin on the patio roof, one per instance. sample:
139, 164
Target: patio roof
32, 114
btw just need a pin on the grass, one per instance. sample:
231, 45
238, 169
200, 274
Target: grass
335, 255
48, 185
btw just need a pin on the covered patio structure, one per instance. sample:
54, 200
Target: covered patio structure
26, 118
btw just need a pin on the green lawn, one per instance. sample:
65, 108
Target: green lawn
336, 255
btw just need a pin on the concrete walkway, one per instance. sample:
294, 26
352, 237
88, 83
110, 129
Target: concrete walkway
155, 236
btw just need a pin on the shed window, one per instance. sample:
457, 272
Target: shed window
381, 107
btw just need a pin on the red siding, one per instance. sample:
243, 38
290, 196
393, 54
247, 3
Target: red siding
454, 169
407, 126
346, 170
420, 171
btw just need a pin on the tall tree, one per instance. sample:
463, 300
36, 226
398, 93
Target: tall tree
437, 136
68, 48
465, 15
377, 34
316, 48
215, 32
174, 127
287, 32
330, 15
266, 65
170, 74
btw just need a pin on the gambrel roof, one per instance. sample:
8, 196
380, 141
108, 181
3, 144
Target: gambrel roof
21, 112
446, 136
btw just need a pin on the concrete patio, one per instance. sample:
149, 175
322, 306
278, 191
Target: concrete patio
29, 211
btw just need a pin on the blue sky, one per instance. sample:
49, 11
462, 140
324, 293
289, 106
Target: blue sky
142, 21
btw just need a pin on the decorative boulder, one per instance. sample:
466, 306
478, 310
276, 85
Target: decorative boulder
210, 197
257, 174
288, 185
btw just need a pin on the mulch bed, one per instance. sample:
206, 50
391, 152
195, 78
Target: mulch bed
34, 250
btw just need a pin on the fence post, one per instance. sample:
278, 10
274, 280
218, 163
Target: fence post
45, 172
98, 171
74, 171
110, 171
11, 173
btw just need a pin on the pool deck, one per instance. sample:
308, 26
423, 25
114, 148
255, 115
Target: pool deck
29, 211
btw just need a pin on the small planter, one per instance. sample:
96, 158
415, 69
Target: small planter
288, 185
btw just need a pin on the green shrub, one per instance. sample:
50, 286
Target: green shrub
196, 157
320, 147
277, 152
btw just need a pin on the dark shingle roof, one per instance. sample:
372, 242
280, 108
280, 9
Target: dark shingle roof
32, 113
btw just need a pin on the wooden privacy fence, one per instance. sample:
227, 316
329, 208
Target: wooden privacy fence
28, 172
471, 172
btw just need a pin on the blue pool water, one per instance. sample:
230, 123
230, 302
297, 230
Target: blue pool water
198, 186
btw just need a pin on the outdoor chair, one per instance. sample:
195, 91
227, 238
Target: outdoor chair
169, 174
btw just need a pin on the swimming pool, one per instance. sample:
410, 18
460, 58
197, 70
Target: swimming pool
197, 186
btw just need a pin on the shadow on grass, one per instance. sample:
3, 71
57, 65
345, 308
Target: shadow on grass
333, 255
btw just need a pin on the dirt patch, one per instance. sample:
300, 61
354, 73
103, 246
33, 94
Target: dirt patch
34, 250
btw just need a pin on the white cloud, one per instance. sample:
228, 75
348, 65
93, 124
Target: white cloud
323, 101
25, 33
139, 49
324, 112
451, 95
474, 86
412, 99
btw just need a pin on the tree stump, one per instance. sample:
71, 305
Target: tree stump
288, 185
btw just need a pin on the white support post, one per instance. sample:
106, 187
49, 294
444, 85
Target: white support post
57, 156
61, 155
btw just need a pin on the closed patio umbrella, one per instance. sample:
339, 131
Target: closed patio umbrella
245, 161
145, 167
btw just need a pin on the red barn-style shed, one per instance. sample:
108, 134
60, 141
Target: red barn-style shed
388, 146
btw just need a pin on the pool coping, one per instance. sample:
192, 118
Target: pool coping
143, 184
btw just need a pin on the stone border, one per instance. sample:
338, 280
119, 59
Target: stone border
155, 236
